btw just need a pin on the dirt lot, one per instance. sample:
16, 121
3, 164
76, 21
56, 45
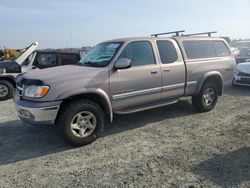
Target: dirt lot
167, 147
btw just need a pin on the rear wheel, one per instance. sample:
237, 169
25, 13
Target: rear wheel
207, 98
6, 90
81, 122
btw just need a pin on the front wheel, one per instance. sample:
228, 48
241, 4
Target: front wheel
6, 90
207, 98
80, 122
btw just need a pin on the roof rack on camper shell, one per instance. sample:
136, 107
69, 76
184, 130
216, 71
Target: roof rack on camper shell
180, 33
177, 33
204, 33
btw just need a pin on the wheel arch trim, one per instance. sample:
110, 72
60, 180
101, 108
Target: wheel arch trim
10, 79
106, 103
210, 75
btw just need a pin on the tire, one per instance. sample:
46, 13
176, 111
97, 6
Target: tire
75, 117
202, 102
6, 90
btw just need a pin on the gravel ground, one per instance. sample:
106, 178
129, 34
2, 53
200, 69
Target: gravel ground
167, 147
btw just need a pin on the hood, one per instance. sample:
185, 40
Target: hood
243, 67
68, 80
63, 73
29, 50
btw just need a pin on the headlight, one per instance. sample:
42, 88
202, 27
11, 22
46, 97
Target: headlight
36, 91
236, 71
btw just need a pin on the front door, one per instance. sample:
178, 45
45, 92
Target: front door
141, 83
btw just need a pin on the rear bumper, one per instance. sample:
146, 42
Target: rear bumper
37, 113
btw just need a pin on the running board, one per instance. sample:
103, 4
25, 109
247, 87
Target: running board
145, 107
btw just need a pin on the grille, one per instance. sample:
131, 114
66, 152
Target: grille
243, 80
19, 90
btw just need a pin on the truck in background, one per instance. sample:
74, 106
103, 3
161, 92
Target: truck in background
29, 60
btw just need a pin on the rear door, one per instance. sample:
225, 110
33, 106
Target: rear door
141, 83
173, 69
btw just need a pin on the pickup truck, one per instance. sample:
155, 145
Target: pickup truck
29, 60
124, 76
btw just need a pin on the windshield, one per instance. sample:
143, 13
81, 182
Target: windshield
101, 55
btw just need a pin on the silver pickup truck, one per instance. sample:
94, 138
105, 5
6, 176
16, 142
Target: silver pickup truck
124, 76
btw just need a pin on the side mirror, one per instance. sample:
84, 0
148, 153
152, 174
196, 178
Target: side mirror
122, 63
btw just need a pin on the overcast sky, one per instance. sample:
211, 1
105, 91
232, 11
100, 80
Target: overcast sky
62, 23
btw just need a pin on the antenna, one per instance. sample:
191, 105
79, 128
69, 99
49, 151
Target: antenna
71, 39
177, 33
204, 33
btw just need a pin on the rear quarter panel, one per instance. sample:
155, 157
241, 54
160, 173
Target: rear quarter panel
198, 70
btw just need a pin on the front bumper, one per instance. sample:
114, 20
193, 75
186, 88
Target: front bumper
241, 80
37, 112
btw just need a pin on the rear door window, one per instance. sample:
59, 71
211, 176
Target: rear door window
167, 51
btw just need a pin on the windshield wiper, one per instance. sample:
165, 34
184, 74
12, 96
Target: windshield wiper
91, 63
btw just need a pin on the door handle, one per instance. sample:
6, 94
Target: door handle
167, 69
154, 71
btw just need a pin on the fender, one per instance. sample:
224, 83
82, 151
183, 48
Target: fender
206, 76
101, 93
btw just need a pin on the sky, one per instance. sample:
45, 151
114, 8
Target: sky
77, 23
